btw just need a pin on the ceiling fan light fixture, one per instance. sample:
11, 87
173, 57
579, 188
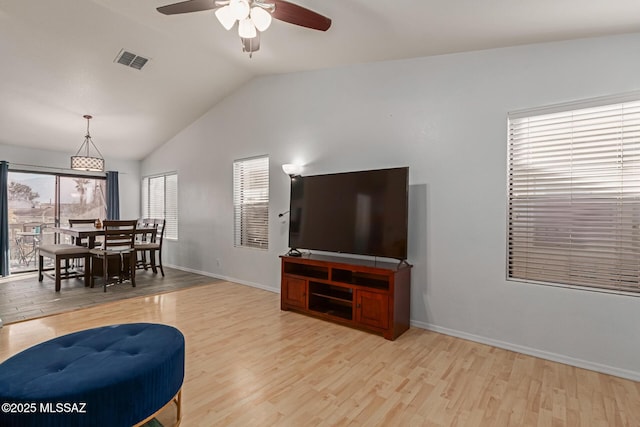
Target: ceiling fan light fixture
253, 16
261, 18
240, 9
246, 29
225, 16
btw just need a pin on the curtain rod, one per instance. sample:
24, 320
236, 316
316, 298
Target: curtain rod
53, 168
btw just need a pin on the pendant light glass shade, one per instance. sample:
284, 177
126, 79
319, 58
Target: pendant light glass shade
246, 29
225, 16
261, 18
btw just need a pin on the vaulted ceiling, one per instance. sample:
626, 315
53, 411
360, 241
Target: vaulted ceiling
57, 58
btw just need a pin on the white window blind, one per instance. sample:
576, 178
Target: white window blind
251, 202
160, 200
171, 206
156, 197
574, 197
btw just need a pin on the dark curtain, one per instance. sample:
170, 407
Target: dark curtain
113, 196
4, 218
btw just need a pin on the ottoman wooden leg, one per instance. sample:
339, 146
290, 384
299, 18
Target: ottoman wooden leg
178, 400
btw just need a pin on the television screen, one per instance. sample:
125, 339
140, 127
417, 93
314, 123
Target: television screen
363, 213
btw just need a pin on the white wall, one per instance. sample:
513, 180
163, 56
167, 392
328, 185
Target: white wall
128, 172
445, 117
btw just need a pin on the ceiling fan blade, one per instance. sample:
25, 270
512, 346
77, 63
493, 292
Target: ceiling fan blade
298, 15
187, 6
251, 45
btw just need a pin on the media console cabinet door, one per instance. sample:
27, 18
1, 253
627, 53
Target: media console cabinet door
294, 292
372, 309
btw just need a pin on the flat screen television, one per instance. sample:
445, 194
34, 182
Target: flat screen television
364, 213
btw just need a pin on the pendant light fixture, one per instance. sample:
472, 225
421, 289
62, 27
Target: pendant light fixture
86, 162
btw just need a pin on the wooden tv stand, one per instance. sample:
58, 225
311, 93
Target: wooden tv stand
364, 294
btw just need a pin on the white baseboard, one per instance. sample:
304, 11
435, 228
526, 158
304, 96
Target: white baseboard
226, 278
560, 358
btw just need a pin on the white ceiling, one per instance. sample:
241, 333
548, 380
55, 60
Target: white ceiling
57, 56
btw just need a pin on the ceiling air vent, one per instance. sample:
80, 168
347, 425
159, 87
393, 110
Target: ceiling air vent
131, 59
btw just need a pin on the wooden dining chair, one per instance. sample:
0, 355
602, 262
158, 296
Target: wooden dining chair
147, 250
76, 221
142, 239
116, 256
147, 224
79, 242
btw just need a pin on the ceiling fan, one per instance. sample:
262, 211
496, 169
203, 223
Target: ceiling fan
253, 16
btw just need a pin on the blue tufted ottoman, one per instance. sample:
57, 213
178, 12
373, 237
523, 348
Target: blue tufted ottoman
119, 375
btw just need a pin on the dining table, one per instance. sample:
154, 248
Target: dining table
88, 233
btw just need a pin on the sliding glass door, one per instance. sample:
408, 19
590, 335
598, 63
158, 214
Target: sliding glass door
81, 198
40, 201
32, 209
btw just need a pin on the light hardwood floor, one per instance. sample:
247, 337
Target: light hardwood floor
250, 364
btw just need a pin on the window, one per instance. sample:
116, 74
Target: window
39, 201
574, 195
251, 202
160, 200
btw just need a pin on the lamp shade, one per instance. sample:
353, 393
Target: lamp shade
89, 164
261, 18
225, 16
246, 29
291, 169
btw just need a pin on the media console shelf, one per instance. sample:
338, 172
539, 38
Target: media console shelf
365, 294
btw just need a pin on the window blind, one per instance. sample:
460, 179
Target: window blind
251, 202
574, 197
144, 194
160, 200
171, 206
156, 197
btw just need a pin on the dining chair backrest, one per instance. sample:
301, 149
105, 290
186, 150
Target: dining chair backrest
150, 225
119, 234
145, 222
82, 221
160, 225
